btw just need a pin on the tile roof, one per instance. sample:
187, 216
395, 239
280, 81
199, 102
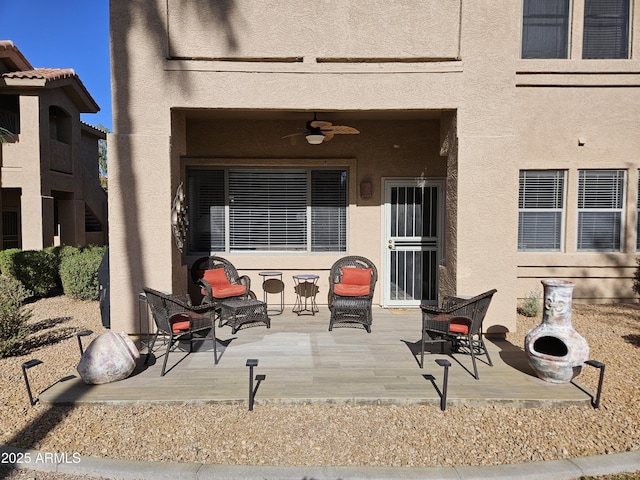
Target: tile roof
24, 71
7, 45
51, 75
9, 51
48, 74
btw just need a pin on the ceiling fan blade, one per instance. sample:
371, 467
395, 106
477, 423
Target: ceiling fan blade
295, 134
321, 124
328, 134
344, 130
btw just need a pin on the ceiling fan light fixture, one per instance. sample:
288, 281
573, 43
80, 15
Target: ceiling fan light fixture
315, 138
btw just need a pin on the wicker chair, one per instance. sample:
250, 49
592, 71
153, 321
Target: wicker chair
351, 284
176, 319
218, 279
459, 321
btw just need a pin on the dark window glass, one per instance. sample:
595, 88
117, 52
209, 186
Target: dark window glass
545, 29
606, 29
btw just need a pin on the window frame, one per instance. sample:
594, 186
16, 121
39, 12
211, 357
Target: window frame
559, 190
594, 22
526, 52
224, 210
619, 197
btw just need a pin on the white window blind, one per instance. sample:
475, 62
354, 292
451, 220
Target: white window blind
328, 212
606, 29
545, 29
600, 205
541, 210
267, 210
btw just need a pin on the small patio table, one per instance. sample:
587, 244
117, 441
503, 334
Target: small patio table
240, 313
272, 283
306, 287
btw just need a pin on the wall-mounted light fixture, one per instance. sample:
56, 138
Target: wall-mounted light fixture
315, 138
366, 189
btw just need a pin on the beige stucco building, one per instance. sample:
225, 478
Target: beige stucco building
498, 145
51, 193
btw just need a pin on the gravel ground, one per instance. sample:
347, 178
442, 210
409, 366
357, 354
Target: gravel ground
346, 435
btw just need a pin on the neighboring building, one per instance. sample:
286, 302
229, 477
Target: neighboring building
499, 145
51, 192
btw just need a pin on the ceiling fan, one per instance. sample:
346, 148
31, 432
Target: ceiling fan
318, 131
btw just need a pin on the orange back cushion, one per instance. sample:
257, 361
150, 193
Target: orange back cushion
460, 325
356, 276
180, 322
349, 290
216, 277
226, 291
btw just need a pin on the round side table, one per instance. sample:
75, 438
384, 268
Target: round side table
272, 283
306, 287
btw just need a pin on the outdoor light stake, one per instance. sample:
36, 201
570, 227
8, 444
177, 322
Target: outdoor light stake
251, 362
443, 398
25, 367
600, 366
82, 333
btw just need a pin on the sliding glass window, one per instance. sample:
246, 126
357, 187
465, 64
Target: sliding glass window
280, 210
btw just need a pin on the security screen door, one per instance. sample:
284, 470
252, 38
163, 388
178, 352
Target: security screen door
412, 244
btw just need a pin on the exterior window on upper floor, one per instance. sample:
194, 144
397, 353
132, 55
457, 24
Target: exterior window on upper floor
600, 207
545, 29
59, 125
259, 210
541, 210
606, 29
9, 114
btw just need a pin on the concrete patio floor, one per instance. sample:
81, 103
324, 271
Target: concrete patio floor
301, 361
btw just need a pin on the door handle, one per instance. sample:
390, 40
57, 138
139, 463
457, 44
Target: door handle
391, 245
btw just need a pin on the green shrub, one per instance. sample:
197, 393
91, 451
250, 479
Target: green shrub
36, 269
64, 251
530, 306
13, 315
7, 261
79, 273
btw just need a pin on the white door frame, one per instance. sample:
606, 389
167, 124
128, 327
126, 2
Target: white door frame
432, 245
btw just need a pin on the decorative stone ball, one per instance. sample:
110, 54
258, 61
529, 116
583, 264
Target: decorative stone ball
108, 358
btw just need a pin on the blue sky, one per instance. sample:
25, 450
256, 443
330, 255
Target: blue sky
65, 34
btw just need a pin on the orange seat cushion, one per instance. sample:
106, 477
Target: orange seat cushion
216, 277
356, 276
347, 290
460, 325
226, 291
180, 322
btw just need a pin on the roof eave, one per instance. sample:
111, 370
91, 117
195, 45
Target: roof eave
23, 82
72, 86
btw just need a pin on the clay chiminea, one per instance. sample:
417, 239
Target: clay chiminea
556, 352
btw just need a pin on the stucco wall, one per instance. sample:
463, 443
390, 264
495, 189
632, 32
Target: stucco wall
145, 95
601, 133
226, 80
331, 28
